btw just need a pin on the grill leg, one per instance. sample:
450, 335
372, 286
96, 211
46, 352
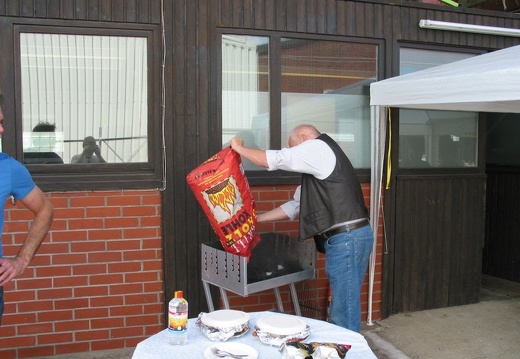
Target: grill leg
208, 295
294, 296
223, 294
278, 299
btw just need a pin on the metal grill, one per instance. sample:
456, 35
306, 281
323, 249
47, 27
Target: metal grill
276, 261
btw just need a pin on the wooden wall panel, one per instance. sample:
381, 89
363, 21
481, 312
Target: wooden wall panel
502, 245
439, 234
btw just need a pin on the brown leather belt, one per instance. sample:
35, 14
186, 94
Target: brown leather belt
326, 235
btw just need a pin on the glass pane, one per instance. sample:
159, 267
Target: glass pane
84, 98
502, 145
245, 91
435, 138
326, 84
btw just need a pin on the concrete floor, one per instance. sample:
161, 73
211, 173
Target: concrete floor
488, 329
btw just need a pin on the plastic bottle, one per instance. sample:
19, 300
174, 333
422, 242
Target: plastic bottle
178, 319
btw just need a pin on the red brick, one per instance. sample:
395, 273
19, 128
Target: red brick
85, 223
142, 255
127, 332
106, 279
92, 335
7, 354
71, 303
139, 211
125, 267
70, 258
140, 233
34, 328
23, 284
99, 234
55, 316
107, 323
113, 256
141, 277
72, 348
88, 246
68, 236
89, 313
91, 291
123, 200
123, 245
72, 325
17, 341
103, 212
87, 269
54, 338
126, 289
53, 293
86, 202
36, 351
70, 281
123, 222
69, 212
141, 298
111, 300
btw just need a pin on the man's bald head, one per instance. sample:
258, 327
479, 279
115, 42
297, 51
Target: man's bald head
302, 133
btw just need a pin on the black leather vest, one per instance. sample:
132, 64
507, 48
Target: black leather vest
335, 199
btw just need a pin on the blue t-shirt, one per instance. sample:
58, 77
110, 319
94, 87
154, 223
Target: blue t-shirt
15, 181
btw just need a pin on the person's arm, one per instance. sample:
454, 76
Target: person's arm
276, 214
42, 208
97, 152
255, 155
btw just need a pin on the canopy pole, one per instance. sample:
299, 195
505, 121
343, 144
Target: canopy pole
377, 149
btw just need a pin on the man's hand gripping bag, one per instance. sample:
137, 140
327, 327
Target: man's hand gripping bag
222, 190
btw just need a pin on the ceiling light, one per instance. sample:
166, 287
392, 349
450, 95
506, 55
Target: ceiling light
478, 29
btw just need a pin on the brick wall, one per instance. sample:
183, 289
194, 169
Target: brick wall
96, 282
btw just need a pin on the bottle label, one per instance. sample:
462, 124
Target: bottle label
177, 322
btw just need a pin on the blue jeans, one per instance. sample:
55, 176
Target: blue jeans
347, 255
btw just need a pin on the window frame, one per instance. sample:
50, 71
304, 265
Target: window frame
73, 177
263, 177
481, 126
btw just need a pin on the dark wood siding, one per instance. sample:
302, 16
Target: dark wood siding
438, 242
502, 246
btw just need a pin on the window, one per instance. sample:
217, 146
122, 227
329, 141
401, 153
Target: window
85, 99
430, 139
272, 84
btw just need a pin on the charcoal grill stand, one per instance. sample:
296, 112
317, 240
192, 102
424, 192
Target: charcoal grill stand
229, 272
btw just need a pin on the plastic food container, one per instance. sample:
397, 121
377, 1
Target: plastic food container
221, 325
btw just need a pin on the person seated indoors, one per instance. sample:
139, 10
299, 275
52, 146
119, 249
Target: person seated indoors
91, 152
43, 141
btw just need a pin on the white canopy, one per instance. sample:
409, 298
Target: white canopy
484, 83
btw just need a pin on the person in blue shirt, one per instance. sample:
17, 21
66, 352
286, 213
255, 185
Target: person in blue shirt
16, 181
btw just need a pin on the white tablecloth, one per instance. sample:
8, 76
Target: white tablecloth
157, 347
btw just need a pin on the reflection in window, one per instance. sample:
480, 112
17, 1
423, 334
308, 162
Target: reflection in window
323, 83
428, 138
84, 86
245, 91
437, 139
326, 84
